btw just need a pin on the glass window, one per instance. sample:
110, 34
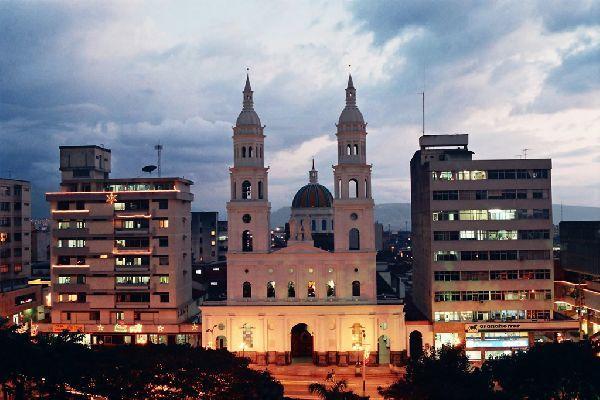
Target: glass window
330, 289
311, 291
271, 289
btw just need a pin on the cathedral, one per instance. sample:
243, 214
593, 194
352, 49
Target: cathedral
316, 299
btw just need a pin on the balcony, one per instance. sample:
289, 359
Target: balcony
70, 232
132, 232
126, 251
131, 287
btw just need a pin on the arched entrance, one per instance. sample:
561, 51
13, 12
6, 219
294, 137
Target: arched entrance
221, 343
415, 344
383, 350
302, 344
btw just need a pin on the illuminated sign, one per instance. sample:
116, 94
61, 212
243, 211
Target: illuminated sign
58, 328
474, 328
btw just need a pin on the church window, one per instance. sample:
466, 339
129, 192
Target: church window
246, 241
354, 239
366, 189
313, 225
339, 191
271, 289
261, 152
243, 151
354, 216
246, 218
331, 289
311, 292
260, 189
356, 288
291, 289
355, 149
246, 290
246, 190
353, 188
324, 225
250, 152
348, 150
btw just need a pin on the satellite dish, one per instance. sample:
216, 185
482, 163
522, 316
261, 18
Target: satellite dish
149, 168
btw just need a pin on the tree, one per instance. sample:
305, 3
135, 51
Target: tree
549, 371
336, 391
440, 374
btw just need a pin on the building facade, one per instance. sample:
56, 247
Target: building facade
18, 300
482, 247
577, 284
301, 301
120, 253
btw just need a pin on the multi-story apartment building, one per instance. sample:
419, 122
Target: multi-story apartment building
482, 247
18, 300
209, 251
120, 253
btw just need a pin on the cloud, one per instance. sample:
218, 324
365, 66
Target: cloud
130, 75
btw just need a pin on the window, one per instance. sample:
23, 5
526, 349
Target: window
246, 241
354, 239
324, 225
163, 204
311, 292
271, 289
313, 225
291, 290
358, 335
246, 290
353, 188
64, 280
63, 205
355, 288
163, 260
246, 190
164, 297
164, 279
163, 242
243, 151
260, 189
446, 256
163, 223
445, 195
446, 275
348, 150
330, 289
134, 280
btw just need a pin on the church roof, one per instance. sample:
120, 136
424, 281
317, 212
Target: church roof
351, 113
311, 196
248, 116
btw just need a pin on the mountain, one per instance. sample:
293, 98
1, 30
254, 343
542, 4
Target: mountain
397, 215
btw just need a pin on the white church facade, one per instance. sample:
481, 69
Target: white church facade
315, 299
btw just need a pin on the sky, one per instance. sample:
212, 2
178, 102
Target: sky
130, 74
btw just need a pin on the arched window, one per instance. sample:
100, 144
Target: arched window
353, 188
234, 188
339, 191
313, 225
291, 289
348, 150
243, 151
324, 225
246, 290
246, 241
260, 189
331, 289
355, 149
261, 152
354, 239
311, 292
356, 288
250, 151
246, 190
271, 289
366, 189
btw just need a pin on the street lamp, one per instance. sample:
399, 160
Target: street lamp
243, 347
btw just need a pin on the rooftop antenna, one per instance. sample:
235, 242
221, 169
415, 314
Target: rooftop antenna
158, 148
525, 153
423, 113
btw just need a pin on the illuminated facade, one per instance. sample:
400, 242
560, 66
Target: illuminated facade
18, 301
120, 253
302, 301
482, 247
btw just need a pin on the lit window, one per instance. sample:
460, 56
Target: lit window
163, 223
330, 289
311, 289
63, 280
164, 279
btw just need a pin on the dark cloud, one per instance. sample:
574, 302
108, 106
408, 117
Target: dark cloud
579, 72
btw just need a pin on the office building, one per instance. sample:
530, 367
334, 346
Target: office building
482, 247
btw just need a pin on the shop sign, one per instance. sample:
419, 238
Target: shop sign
500, 326
58, 328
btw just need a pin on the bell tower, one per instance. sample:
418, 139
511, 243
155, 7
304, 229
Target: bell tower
353, 204
249, 208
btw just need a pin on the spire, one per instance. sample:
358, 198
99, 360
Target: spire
248, 97
313, 174
350, 93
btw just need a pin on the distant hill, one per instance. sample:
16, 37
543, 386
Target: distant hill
397, 215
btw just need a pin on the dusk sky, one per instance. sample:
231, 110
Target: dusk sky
130, 74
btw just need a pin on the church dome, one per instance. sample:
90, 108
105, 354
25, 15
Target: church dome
311, 196
350, 115
248, 117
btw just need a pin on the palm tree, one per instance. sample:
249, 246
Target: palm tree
337, 391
